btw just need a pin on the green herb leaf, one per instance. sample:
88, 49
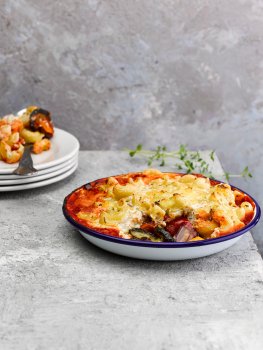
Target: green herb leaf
132, 152
212, 155
189, 161
246, 173
227, 176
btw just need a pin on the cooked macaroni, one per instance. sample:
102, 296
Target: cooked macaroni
153, 205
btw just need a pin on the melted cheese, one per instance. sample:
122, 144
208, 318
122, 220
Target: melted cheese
157, 195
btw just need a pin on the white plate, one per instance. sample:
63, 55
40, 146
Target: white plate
64, 147
39, 183
39, 172
30, 179
16, 179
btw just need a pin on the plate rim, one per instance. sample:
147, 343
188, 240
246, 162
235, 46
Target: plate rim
147, 244
39, 172
31, 180
42, 183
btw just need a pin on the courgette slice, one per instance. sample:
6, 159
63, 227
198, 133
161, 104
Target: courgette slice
143, 235
161, 232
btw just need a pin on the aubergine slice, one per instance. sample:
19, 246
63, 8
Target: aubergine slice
40, 120
166, 236
143, 235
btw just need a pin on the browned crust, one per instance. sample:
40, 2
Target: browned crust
84, 197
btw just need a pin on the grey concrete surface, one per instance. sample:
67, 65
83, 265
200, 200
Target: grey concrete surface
119, 72
58, 291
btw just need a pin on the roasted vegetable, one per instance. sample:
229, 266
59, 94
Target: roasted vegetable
40, 146
5, 131
143, 235
25, 117
148, 226
205, 227
186, 233
17, 125
174, 226
11, 154
197, 238
40, 120
31, 136
161, 232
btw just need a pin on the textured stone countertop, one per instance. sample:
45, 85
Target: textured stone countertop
58, 291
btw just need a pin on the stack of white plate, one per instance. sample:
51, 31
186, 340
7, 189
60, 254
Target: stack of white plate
52, 166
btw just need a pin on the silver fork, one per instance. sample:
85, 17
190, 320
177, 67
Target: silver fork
25, 166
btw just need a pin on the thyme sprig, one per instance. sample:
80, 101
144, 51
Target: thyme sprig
186, 160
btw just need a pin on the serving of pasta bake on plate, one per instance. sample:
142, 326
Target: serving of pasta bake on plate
32, 125
54, 151
158, 209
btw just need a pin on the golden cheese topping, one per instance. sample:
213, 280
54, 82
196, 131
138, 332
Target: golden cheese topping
118, 204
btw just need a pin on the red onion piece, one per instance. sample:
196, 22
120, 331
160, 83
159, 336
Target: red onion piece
186, 233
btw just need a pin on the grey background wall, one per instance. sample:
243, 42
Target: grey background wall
119, 72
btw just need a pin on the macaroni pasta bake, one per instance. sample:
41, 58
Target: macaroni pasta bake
160, 207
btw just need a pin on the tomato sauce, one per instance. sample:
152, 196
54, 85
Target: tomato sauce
84, 199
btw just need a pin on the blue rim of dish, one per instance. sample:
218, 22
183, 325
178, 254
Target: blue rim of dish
133, 242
